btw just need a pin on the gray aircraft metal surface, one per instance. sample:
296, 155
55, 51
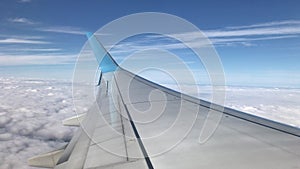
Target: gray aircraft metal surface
112, 134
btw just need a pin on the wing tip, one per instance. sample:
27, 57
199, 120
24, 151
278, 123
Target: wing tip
89, 34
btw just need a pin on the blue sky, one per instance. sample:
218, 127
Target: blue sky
258, 42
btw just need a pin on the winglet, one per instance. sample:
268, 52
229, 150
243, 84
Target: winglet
106, 62
89, 34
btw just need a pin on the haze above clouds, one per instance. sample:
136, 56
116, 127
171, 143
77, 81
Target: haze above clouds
278, 104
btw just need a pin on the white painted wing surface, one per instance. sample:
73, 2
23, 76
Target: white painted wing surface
110, 138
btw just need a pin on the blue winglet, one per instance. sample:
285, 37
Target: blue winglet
106, 62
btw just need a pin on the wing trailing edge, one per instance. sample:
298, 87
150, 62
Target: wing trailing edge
74, 121
47, 160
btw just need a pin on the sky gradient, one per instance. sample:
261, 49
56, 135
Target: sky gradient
258, 42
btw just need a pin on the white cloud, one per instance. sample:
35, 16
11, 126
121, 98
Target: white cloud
246, 35
243, 39
277, 104
40, 49
63, 29
21, 20
36, 59
32, 37
267, 24
278, 28
282, 30
249, 33
21, 41
8, 50
31, 119
4, 120
25, 1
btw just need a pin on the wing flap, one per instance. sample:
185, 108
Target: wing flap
47, 160
74, 121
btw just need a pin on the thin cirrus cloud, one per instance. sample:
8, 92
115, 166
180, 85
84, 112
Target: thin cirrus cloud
41, 49
36, 59
245, 35
21, 20
282, 30
35, 50
21, 41
53, 29
25, 1
31, 37
9, 50
275, 23
63, 29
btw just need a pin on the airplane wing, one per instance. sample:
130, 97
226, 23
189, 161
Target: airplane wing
136, 123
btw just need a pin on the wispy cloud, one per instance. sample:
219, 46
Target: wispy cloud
237, 39
21, 20
63, 29
38, 59
244, 35
33, 49
21, 41
267, 24
260, 31
24, 1
41, 49
33, 37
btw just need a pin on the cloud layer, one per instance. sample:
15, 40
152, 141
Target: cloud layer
278, 104
31, 112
